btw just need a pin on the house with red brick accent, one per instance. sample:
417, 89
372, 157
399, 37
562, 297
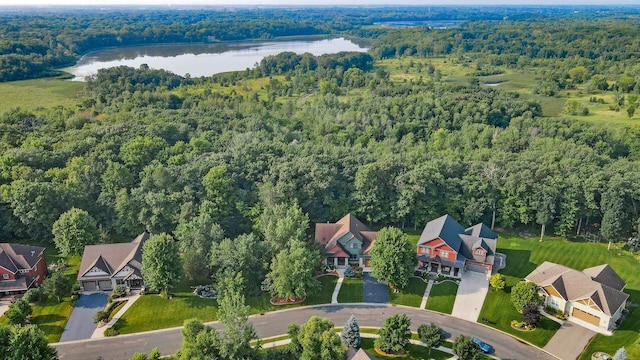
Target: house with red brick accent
21, 268
348, 241
107, 265
446, 247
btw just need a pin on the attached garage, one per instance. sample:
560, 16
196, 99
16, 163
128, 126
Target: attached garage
585, 316
477, 268
89, 285
105, 285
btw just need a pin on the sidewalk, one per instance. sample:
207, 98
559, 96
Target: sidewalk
99, 332
336, 291
425, 297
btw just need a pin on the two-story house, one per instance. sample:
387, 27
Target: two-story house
446, 247
348, 241
21, 268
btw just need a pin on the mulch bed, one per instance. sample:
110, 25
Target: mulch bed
281, 301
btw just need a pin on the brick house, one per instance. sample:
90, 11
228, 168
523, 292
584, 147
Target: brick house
21, 268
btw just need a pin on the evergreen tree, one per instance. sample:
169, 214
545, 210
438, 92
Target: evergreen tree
350, 334
621, 354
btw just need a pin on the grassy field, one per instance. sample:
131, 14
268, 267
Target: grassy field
32, 94
523, 255
152, 312
351, 291
50, 315
410, 295
442, 297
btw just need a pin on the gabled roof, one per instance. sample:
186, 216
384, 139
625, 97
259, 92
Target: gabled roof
461, 240
15, 257
574, 285
445, 228
346, 228
111, 258
352, 354
604, 274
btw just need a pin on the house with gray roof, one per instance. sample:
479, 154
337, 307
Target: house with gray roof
107, 265
593, 295
353, 354
446, 247
21, 268
348, 241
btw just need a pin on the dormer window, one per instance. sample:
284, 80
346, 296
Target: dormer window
479, 252
353, 246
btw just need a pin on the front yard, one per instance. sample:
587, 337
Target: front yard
410, 295
524, 255
351, 291
152, 312
442, 297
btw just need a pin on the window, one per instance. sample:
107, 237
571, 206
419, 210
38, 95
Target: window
5, 276
353, 245
479, 252
553, 302
444, 253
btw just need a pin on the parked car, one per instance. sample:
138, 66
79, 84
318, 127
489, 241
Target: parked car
486, 348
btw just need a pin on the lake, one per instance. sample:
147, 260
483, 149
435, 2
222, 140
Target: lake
203, 59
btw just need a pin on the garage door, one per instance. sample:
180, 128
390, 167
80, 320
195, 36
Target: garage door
477, 268
105, 285
89, 286
591, 319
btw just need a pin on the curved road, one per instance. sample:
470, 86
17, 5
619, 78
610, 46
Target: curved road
275, 323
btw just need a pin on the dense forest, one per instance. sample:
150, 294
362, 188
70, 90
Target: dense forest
148, 149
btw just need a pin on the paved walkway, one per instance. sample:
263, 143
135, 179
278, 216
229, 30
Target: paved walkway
99, 332
80, 324
569, 342
336, 291
374, 291
472, 290
425, 297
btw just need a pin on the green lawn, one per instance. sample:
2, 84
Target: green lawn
523, 255
47, 92
413, 352
410, 295
152, 312
50, 315
442, 297
351, 291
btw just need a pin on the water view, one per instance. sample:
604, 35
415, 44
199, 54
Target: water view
203, 59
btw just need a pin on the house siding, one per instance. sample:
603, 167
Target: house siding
4, 272
39, 271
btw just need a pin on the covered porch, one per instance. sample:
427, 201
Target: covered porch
438, 266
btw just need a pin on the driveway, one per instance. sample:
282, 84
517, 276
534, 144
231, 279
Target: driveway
569, 341
80, 325
470, 297
374, 292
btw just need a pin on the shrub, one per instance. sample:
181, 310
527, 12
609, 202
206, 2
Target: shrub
100, 315
349, 272
33, 295
75, 287
111, 332
118, 291
497, 282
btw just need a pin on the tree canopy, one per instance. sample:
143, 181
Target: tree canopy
392, 257
161, 265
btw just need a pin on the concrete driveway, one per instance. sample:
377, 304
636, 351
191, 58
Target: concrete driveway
374, 292
569, 342
80, 325
470, 297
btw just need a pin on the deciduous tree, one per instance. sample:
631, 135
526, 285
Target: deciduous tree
74, 230
292, 271
394, 336
531, 314
497, 282
319, 341
466, 349
392, 257
431, 335
161, 265
524, 293
56, 285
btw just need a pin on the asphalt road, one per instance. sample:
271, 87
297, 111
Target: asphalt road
80, 324
275, 323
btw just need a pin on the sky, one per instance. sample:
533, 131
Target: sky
316, 2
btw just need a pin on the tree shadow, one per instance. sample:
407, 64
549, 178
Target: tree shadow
45, 319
